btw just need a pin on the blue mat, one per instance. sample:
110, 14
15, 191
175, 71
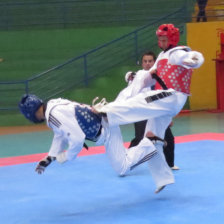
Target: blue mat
88, 191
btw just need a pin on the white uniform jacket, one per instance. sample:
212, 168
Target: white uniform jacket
60, 117
178, 56
156, 103
129, 91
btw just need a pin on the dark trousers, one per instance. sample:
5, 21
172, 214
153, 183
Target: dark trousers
168, 150
201, 14
139, 133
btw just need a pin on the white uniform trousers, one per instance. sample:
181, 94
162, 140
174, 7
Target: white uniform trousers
123, 159
140, 107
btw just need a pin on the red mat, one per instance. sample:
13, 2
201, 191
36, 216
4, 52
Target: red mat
100, 149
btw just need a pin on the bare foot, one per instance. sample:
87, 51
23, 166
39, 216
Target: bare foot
94, 110
150, 135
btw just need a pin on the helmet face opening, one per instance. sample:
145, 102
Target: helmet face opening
29, 105
171, 32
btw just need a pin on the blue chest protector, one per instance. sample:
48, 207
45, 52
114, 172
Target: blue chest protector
89, 122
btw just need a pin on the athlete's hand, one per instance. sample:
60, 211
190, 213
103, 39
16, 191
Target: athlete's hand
194, 59
43, 164
191, 62
129, 76
40, 169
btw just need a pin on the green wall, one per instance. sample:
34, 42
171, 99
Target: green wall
26, 53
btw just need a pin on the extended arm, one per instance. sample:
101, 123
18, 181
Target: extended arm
71, 134
187, 59
143, 79
41, 166
66, 133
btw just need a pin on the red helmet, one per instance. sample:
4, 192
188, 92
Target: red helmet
171, 32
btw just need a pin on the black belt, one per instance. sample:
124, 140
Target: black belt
158, 96
159, 80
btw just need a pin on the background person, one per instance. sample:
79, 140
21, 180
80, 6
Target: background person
201, 13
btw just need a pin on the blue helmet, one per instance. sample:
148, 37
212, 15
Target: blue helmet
29, 105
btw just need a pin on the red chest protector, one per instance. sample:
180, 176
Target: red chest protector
174, 76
